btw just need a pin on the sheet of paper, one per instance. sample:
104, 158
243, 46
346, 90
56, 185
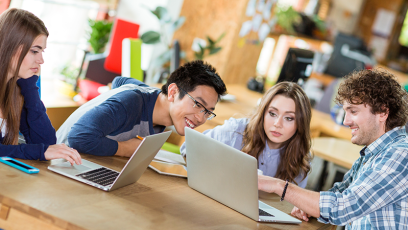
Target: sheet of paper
256, 22
250, 10
169, 169
267, 10
272, 22
245, 28
383, 23
263, 32
170, 157
261, 5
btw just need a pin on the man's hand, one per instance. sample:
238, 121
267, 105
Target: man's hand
127, 148
266, 183
305, 199
62, 151
296, 212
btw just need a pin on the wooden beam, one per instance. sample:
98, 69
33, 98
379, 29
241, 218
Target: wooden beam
4, 211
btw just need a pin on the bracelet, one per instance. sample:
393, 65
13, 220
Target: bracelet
284, 190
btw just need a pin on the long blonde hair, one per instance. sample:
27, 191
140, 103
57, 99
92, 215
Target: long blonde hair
295, 158
18, 30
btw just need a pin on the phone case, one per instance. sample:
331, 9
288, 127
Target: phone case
20, 165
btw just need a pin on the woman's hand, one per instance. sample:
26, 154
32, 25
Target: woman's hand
296, 212
62, 151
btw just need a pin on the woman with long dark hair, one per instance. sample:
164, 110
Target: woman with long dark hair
277, 134
23, 38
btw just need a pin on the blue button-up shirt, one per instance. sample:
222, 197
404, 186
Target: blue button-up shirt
374, 193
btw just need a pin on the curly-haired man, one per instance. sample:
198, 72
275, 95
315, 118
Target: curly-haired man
374, 193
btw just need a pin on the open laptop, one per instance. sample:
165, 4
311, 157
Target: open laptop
228, 176
108, 179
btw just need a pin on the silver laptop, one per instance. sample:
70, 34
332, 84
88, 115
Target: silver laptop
228, 176
108, 179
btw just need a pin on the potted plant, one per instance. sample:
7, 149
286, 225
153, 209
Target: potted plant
99, 35
210, 48
98, 38
286, 18
68, 79
167, 28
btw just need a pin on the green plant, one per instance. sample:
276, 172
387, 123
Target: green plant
403, 38
287, 16
209, 49
320, 24
70, 74
99, 35
167, 28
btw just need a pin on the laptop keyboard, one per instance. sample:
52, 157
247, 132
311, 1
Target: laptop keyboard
263, 213
101, 176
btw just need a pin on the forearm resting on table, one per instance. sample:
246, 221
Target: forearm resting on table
127, 148
306, 200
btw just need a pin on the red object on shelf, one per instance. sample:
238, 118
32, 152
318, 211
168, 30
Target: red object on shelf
89, 89
121, 29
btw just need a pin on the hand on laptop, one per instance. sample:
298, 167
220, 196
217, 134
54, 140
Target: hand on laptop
296, 212
62, 151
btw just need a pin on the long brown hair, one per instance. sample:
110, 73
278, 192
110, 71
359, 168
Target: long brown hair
295, 158
18, 30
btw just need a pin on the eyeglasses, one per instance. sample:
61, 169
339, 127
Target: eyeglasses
207, 113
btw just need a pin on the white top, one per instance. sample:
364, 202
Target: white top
3, 129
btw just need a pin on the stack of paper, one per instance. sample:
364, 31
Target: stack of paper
169, 157
169, 163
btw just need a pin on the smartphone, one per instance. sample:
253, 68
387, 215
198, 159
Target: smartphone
19, 165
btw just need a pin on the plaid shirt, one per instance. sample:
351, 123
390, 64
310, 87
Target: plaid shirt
374, 193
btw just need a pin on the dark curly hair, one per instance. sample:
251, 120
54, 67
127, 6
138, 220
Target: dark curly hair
378, 89
193, 74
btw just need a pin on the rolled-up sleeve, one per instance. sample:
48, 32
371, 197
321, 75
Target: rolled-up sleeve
378, 185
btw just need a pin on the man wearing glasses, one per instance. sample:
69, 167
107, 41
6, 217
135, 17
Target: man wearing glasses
108, 125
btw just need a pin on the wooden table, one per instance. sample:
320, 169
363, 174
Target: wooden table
340, 152
51, 201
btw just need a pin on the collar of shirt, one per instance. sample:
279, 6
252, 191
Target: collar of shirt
270, 151
370, 151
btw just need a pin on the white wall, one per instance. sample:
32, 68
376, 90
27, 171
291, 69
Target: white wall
67, 24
